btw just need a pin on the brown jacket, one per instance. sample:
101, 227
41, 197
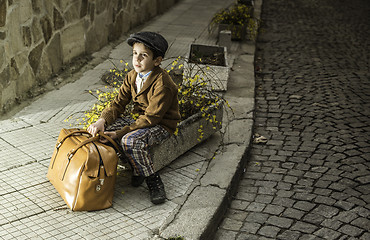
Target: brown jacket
156, 103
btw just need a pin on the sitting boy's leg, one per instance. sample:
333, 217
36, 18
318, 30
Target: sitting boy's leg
136, 146
117, 125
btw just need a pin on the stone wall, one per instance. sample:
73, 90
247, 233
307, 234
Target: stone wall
39, 37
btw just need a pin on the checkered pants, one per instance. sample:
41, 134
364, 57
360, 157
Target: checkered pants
136, 145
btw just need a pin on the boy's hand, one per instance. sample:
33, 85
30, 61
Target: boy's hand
112, 135
96, 127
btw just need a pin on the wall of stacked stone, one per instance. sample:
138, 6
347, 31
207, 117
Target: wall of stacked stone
39, 37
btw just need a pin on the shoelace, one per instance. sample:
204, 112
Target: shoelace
154, 182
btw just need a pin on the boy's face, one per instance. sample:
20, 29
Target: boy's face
142, 59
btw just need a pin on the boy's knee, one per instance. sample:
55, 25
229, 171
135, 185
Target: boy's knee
131, 142
127, 142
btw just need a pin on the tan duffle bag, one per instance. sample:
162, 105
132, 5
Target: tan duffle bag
83, 170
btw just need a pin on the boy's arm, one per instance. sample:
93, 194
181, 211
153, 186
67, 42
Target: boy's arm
118, 105
158, 106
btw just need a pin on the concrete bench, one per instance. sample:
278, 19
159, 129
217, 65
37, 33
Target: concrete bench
186, 138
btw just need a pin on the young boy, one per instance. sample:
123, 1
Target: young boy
155, 100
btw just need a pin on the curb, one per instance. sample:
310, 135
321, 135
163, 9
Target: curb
201, 213
203, 210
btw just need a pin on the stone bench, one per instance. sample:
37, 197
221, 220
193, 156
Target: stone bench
186, 138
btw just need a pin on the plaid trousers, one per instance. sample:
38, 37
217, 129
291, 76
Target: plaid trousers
136, 145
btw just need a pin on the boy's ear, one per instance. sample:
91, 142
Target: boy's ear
158, 61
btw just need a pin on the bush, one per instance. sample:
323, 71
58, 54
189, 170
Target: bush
195, 93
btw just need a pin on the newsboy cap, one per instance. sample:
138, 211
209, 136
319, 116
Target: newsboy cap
152, 40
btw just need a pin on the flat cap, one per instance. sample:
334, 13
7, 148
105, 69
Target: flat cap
154, 41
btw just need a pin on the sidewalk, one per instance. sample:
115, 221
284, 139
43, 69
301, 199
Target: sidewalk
198, 184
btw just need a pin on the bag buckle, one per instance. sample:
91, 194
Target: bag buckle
70, 156
58, 145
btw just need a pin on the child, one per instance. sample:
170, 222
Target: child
154, 95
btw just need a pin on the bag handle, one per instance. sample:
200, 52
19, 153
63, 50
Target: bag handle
59, 143
89, 140
115, 145
75, 132
80, 145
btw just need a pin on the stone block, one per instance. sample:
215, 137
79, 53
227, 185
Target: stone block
8, 94
2, 56
25, 11
22, 61
83, 9
58, 20
46, 28
63, 4
25, 81
36, 30
37, 6
73, 41
14, 71
187, 138
91, 11
34, 57
73, 12
163, 5
27, 39
1, 100
120, 24
152, 7
223, 167
237, 31
238, 132
2, 35
101, 5
44, 70
5, 77
97, 36
54, 53
3, 10
196, 213
242, 107
217, 73
14, 32
224, 39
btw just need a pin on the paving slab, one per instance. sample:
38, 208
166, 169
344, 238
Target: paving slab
196, 191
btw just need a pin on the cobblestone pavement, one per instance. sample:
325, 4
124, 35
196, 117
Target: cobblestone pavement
311, 179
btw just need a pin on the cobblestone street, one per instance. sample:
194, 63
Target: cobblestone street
311, 179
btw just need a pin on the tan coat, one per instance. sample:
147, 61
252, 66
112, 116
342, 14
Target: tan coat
156, 103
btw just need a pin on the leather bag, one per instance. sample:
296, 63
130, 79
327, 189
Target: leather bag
83, 170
